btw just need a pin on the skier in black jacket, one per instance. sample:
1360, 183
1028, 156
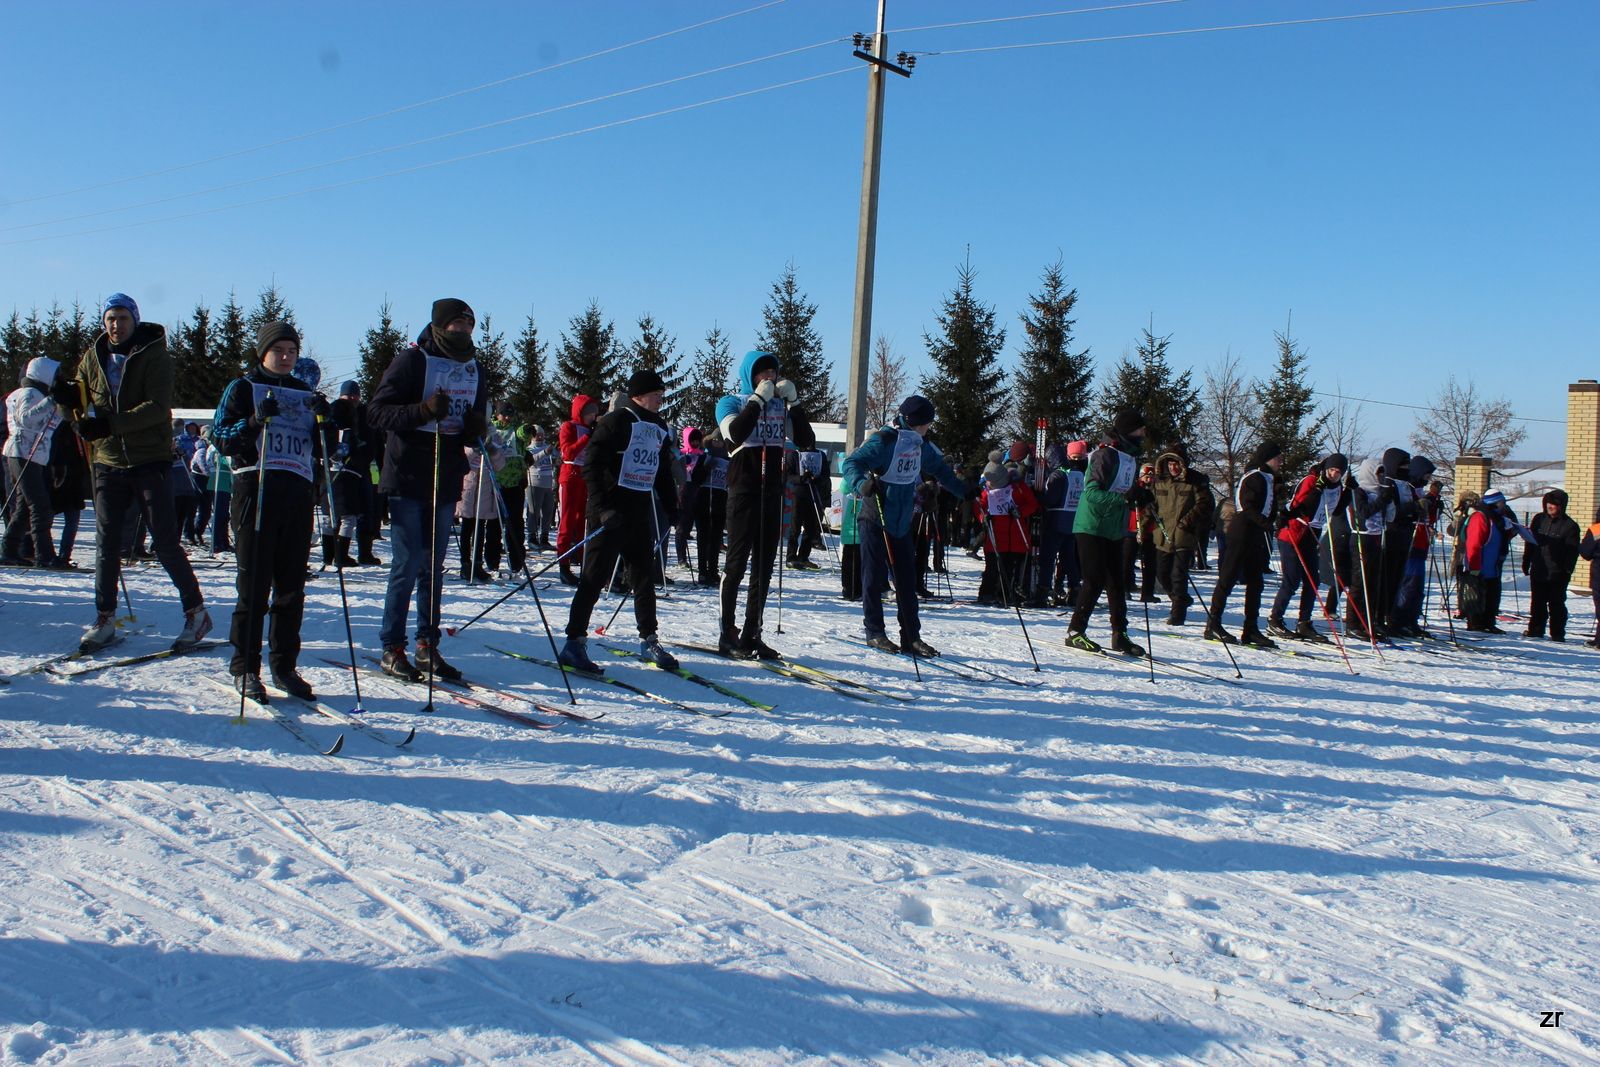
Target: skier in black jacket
1549, 567
629, 470
1247, 553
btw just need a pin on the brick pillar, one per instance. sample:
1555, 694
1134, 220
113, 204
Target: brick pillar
1583, 456
1472, 474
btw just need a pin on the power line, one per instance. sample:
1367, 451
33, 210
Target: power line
1220, 29
1037, 15
348, 123
442, 162
478, 128
1428, 407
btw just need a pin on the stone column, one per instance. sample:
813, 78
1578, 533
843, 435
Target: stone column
1583, 457
1472, 474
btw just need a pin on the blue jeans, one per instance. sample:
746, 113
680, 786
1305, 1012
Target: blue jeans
1413, 588
875, 579
1295, 577
409, 568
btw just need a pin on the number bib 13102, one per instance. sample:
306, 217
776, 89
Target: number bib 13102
642, 459
458, 382
288, 433
906, 466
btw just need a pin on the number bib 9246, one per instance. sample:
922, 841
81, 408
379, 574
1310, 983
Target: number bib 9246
642, 458
906, 466
287, 445
458, 382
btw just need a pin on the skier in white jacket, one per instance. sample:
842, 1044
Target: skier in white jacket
32, 418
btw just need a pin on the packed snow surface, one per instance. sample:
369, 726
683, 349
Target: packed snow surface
1396, 866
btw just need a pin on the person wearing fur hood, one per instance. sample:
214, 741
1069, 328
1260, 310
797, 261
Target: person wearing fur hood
1182, 509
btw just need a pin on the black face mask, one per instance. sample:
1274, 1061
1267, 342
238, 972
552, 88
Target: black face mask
457, 346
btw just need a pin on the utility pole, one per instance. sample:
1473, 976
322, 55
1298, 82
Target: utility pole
867, 230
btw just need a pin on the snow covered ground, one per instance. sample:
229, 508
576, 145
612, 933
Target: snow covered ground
1394, 867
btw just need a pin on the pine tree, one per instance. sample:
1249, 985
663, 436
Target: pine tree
1145, 383
234, 340
201, 375
657, 350
967, 383
1053, 382
787, 332
73, 337
710, 379
378, 348
589, 360
1288, 415
529, 392
493, 362
271, 307
13, 352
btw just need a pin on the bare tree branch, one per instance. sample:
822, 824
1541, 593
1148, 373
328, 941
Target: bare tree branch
887, 382
1459, 421
1346, 430
1226, 427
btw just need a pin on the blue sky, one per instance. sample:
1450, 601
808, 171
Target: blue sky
1418, 189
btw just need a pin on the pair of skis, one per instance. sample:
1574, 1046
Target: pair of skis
693, 709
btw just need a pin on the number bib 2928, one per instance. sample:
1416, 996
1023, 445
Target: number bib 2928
770, 426
288, 433
906, 466
458, 382
642, 459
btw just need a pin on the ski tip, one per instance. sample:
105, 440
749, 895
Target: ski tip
410, 737
338, 743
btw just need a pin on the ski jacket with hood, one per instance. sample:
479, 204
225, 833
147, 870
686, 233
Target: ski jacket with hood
1486, 543
1182, 504
899, 462
31, 416
1556, 556
1373, 498
1256, 500
1103, 508
756, 459
572, 439
396, 407
1315, 504
139, 411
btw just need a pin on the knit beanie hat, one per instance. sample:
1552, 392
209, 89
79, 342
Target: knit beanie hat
448, 309
273, 332
309, 371
1265, 452
1127, 423
644, 381
916, 410
121, 300
1493, 497
995, 475
1336, 460
350, 388
1077, 449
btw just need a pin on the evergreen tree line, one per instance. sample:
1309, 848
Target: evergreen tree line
981, 405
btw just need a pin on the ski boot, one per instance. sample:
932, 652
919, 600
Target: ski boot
249, 687
428, 659
1306, 632
575, 654
1277, 629
1120, 643
395, 664
1254, 638
919, 647
1217, 633
196, 624
290, 682
1080, 640
101, 634
755, 648
882, 643
650, 648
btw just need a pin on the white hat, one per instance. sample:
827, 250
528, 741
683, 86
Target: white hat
42, 369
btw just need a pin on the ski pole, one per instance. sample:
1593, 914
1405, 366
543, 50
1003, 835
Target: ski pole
344, 599
88, 459
434, 563
1444, 596
9, 496
257, 609
894, 584
1366, 586
477, 516
1195, 587
1016, 602
1322, 603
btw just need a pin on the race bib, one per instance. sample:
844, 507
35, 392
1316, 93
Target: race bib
811, 463
1127, 470
1238, 493
1330, 499
906, 466
583, 449
642, 458
769, 427
458, 382
288, 434
1074, 491
1000, 501
717, 478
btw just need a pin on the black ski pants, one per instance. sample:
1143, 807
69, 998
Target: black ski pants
1366, 584
753, 530
1547, 602
806, 529
30, 509
118, 492
709, 528
1172, 569
272, 564
631, 540
1101, 560
1244, 560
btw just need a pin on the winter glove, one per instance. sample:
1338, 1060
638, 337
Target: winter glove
473, 424
65, 392
1388, 494
785, 388
320, 406
763, 393
94, 427
1138, 496
436, 406
341, 453
867, 486
610, 519
269, 409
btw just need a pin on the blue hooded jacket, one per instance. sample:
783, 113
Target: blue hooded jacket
752, 469
875, 455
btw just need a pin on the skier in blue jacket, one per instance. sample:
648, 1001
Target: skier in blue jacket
884, 474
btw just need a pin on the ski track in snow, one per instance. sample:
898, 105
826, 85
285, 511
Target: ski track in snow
1312, 867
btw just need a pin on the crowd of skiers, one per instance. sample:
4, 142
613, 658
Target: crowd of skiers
617, 485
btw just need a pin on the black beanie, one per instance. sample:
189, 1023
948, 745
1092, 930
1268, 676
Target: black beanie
1127, 423
645, 381
449, 309
1264, 452
271, 333
1558, 497
916, 410
1337, 459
